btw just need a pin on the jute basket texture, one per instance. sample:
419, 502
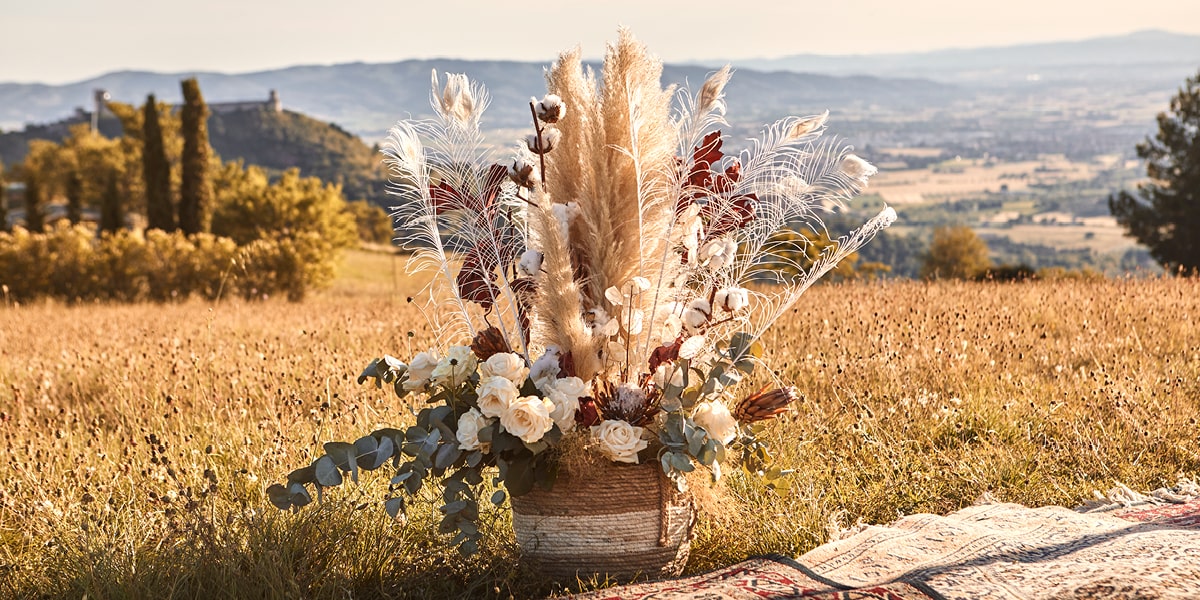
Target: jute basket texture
623, 522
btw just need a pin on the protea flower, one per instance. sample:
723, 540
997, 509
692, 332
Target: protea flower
763, 405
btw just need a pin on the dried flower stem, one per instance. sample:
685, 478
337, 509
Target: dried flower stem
538, 128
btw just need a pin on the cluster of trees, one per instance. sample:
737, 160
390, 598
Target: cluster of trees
163, 175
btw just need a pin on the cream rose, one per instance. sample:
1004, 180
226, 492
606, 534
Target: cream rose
714, 417
528, 418
455, 368
495, 395
468, 430
565, 393
619, 441
420, 370
507, 365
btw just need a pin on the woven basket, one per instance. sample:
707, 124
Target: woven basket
623, 522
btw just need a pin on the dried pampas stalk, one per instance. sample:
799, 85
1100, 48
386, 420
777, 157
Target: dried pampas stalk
558, 300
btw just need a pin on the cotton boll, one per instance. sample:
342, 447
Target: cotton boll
530, 264
732, 299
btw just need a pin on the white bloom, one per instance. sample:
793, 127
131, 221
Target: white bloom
528, 418
548, 142
598, 321
565, 214
697, 314
714, 417
619, 441
468, 430
888, 215
732, 299
691, 347
564, 394
718, 253
545, 369
857, 168
455, 368
495, 395
549, 109
507, 365
420, 370
522, 173
668, 374
530, 264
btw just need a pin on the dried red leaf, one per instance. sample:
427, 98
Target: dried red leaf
665, 354
588, 413
474, 280
447, 198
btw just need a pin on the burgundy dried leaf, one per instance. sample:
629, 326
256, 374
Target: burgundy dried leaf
665, 354
588, 414
488, 343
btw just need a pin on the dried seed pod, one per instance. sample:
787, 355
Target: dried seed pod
763, 405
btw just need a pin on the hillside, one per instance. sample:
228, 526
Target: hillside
368, 98
273, 140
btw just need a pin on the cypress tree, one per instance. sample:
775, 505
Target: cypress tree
3, 200
35, 219
74, 197
195, 191
156, 171
111, 218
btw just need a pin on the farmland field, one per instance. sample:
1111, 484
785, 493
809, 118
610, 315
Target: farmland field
137, 441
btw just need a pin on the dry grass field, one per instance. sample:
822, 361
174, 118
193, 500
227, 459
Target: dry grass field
137, 441
971, 177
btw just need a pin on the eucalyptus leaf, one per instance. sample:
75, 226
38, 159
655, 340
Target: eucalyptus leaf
474, 458
371, 372
302, 475
682, 462
393, 506
454, 507
327, 471
280, 496
498, 498
519, 480
383, 451
446, 455
300, 497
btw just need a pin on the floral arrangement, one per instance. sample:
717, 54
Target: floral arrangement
609, 283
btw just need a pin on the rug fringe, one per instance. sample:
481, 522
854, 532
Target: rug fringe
1121, 496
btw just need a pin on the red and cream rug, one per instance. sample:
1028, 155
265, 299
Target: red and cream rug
988, 551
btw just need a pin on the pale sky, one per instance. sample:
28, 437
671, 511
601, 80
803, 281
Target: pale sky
57, 41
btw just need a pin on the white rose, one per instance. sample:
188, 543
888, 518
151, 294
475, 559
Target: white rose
468, 430
565, 393
714, 417
528, 418
495, 395
455, 368
507, 365
619, 441
420, 370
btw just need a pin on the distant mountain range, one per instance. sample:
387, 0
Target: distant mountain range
368, 98
1140, 55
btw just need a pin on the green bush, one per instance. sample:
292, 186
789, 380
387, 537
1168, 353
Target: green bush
73, 264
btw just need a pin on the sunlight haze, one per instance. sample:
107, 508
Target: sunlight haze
91, 38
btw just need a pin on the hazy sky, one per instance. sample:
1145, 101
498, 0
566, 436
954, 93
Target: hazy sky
56, 41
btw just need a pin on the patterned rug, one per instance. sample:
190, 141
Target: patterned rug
992, 551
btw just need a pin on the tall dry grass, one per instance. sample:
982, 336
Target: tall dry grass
136, 441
